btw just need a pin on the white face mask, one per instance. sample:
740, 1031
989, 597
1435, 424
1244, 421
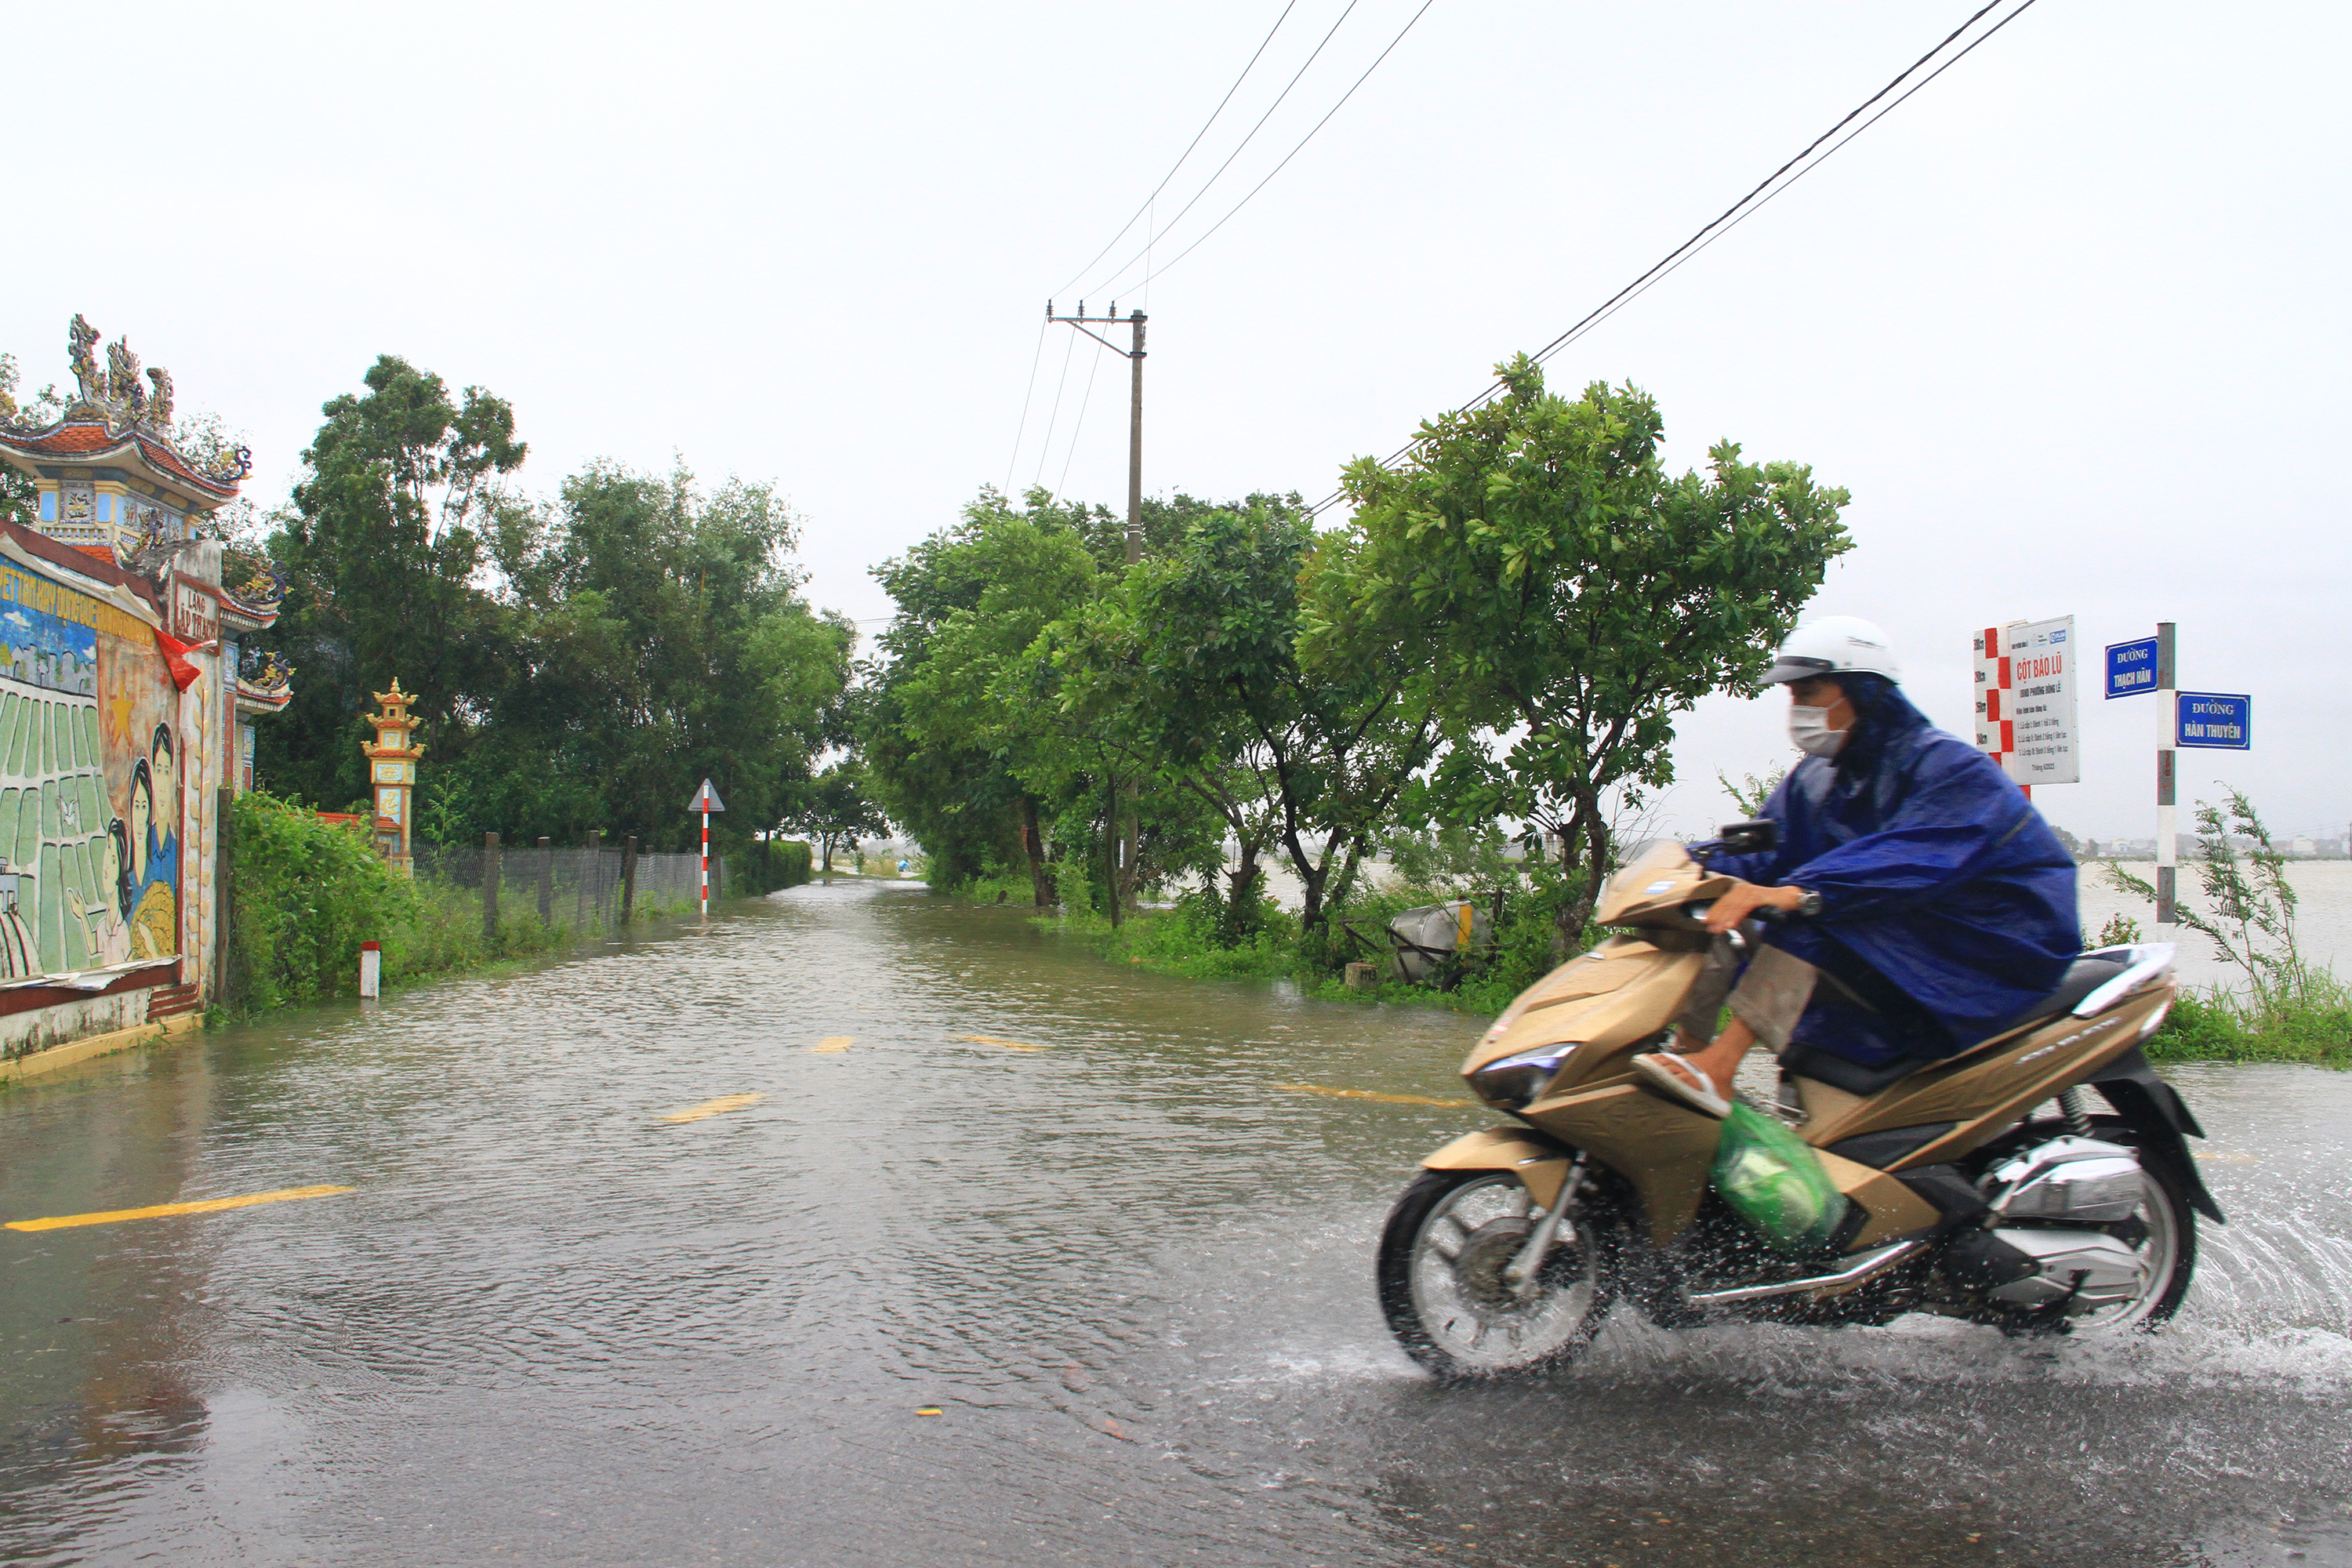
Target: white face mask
1810, 729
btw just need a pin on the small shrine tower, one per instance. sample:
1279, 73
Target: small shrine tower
391, 768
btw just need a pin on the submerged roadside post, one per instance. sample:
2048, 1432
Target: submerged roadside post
490, 891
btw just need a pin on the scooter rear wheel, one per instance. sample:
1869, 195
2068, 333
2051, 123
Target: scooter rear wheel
1442, 1287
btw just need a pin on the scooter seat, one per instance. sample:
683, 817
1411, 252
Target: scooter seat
2084, 976
1841, 1072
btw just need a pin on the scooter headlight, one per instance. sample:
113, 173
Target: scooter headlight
1514, 1082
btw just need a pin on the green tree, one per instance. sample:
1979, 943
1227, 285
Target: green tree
19, 496
1192, 672
655, 636
833, 810
1570, 597
382, 549
950, 759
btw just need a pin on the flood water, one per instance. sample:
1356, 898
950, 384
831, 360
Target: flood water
1129, 1267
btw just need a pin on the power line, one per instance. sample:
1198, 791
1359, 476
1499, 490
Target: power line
1179, 164
1084, 400
1045, 448
1232, 155
1736, 213
1021, 429
1287, 157
1575, 333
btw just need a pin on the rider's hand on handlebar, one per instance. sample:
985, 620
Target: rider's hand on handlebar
1744, 900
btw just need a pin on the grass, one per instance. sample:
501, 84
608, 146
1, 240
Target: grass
2310, 1023
1200, 939
2217, 1025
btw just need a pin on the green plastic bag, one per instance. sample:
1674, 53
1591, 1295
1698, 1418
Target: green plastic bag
1775, 1181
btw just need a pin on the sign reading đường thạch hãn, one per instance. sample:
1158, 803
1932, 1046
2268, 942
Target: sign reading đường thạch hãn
2131, 667
2025, 700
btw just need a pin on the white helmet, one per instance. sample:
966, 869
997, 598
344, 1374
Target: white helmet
1832, 646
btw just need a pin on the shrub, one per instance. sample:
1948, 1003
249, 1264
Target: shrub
304, 895
764, 864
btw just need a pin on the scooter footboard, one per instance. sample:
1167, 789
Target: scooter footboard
1541, 1164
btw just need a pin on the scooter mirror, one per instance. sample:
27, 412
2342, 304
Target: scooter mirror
1751, 838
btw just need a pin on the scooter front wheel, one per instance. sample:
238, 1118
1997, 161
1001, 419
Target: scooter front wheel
1445, 1288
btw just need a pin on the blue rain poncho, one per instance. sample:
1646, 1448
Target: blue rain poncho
1948, 905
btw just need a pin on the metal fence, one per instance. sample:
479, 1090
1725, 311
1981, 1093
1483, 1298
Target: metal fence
581, 888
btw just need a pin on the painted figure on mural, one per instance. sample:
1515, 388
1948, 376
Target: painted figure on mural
155, 916
107, 922
164, 860
19, 955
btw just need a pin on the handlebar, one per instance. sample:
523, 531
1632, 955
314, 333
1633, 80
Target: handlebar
1763, 914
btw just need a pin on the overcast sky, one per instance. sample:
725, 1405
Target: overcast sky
2070, 325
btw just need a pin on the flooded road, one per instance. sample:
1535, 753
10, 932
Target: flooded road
958, 1246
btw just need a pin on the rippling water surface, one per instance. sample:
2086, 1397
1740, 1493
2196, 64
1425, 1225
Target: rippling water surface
1126, 1266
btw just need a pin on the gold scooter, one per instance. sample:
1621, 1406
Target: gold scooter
1978, 1185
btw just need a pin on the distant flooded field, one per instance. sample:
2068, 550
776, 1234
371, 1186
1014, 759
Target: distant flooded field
2323, 919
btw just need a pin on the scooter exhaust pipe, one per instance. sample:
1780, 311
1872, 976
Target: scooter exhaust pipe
1868, 1265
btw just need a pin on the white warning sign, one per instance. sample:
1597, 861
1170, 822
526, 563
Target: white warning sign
2025, 700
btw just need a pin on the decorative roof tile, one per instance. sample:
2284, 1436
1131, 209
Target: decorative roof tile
91, 440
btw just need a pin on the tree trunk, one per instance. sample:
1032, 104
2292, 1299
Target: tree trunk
1584, 837
1032, 844
1243, 879
1310, 901
1110, 850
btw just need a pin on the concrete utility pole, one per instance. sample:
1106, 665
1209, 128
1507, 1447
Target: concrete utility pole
2167, 832
1124, 865
1134, 356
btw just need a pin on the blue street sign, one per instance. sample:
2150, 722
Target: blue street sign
2131, 667
2216, 718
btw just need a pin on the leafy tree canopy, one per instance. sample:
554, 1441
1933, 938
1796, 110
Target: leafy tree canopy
1569, 596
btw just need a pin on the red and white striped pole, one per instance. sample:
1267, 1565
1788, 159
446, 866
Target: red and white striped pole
706, 801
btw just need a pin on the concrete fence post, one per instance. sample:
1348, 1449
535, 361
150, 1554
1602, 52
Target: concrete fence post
628, 878
587, 859
490, 890
547, 882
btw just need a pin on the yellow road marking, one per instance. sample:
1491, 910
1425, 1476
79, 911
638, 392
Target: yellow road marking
994, 1040
931, 1410
831, 1044
1367, 1094
713, 1107
159, 1210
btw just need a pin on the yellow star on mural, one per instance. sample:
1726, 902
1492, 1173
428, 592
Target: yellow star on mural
121, 706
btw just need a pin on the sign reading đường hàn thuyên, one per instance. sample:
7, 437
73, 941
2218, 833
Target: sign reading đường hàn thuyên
2214, 719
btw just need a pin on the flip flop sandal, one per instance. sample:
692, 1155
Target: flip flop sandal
1698, 1096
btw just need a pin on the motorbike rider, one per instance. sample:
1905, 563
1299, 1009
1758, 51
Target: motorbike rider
1937, 904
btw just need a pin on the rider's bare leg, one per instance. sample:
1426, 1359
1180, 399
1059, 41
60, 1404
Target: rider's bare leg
1720, 1059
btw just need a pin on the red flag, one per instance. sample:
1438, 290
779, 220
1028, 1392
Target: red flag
183, 674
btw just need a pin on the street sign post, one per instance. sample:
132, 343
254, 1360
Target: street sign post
2131, 667
2025, 700
706, 801
2144, 664
2215, 719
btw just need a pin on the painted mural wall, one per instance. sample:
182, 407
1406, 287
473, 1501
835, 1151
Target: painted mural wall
93, 756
